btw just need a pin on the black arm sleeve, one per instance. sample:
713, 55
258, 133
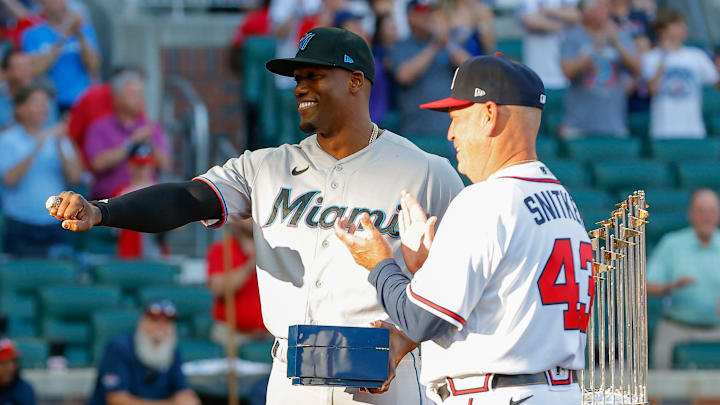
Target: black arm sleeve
161, 207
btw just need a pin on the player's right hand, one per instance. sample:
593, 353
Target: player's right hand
417, 232
76, 213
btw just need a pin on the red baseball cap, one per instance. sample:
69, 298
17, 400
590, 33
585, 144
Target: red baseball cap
7, 350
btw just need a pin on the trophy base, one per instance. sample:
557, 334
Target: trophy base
611, 397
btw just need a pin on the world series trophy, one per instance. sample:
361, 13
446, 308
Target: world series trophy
617, 331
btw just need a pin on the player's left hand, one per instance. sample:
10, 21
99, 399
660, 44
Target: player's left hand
367, 246
400, 345
417, 232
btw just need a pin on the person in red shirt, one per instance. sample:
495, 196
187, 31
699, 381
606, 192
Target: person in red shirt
243, 280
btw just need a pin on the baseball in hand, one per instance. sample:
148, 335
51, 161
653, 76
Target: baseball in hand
53, 202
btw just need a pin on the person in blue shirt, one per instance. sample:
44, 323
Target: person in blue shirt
13, 389
33, 161
66, 48
144, 367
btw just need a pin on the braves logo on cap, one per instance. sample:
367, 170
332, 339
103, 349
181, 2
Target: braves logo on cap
304, 41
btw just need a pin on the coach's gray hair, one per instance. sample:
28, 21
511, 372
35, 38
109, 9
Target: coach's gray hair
119, 80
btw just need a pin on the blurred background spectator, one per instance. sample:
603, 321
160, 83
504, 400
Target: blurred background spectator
382, 97
424, 65
242, 280
544, 22
34, 161
13, 389
64, 47
145, 364
597, 57
18, 73
676, 75
471, 25
111, 140
683, 267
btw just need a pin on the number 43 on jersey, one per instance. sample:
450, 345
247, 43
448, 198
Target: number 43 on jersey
552, 292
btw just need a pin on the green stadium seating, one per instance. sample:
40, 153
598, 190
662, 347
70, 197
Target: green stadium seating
588, 198
711, 102
33, 352
639, 124
638, 174
77, 301
697, 355
592, 215
77, 356
550, 123
257, 351
21, 327
662, 199
26, 276
661, 223
547, 148
197, 349
699, 174
100, 240
131, 275
190, 301
201, 325
511, 47
17, 305
686, 150
435, 144
257, 50
604, 148
654, 312
108, 323
570, 173
555, 101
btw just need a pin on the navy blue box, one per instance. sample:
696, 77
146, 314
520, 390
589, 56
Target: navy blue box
338, 355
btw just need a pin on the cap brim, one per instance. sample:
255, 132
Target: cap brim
287, 66
445, 104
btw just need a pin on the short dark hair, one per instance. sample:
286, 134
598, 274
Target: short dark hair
26, 92
665, 17
7, 58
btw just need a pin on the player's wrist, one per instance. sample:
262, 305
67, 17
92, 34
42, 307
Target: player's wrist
98, 212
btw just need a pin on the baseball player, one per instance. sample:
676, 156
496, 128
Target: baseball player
295, 193
503, 298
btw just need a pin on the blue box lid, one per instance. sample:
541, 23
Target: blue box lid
338, 336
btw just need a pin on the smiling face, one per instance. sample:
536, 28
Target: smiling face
321, 92
469, 132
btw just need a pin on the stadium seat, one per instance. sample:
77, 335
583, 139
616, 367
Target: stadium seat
662, 199
693, 175
131, 275
77, 356
588, 198
637, 174
555, 101
197, 349
592, 215
17, 305
604, 148
108, 323
570, 173
697, 355
435, 144
510, 47
257, 351
100, 240
201, 325
54, 329
686, 150
661, 223
654, 312
550, 123
26, 276
21, 327
33, 352
639, 124
77, 301
711, 102
190, 301
547, 148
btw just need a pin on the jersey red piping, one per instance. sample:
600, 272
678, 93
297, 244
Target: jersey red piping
437, 307
455, 392
220, 197
530, 179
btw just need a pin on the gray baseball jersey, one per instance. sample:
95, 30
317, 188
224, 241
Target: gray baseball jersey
294, 194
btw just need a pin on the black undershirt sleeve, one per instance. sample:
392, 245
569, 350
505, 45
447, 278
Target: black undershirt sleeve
161, 207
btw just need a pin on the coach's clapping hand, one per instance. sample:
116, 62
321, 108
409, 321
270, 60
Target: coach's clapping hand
75, 212
367, 246
417, 232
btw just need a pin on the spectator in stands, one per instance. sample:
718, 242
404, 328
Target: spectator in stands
637, 23
676, 75
112, 139
34, 161
544, 22
242, 280
95, 103
13, 389
144, 365
18, 73
597, 58
684, 268
350, 21
424, 65
66, 48
471, 26
17, 16
383, 90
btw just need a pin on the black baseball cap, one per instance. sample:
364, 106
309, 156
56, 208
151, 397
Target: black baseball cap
492, 78
333, 47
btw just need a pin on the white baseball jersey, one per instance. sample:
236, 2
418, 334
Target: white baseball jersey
510, 267
294, 194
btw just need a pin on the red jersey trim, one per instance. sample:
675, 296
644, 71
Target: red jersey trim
531, 179
484, 388
437, 307
222, 202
